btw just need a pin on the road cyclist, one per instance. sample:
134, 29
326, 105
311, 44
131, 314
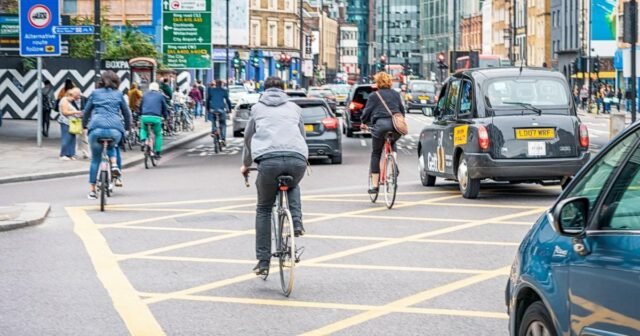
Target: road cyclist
275, 140
378, 116
106, 116
153, 109
218, 104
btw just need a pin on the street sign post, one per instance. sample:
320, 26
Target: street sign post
186, 34
73, 30
37, 19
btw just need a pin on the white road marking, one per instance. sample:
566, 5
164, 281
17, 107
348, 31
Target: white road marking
363, 143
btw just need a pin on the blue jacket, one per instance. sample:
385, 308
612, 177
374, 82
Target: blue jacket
107, 109
154, 104
217, 98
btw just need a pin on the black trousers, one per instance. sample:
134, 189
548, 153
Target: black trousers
46, 121
377, 142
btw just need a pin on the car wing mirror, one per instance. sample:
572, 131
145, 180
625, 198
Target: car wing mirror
570, 216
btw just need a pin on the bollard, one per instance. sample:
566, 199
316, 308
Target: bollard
617, 123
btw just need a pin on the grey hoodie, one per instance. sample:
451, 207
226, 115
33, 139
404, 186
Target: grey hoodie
275, 126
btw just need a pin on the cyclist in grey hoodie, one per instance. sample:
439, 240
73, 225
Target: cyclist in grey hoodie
274, 138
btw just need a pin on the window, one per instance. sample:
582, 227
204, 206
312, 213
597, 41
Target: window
452, 99
273, 34
273, 4
467, 97
288, 34
592, 183
288, 6
255, 33
255, 4
620, 211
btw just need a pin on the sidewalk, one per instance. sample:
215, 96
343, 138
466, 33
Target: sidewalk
22, 160
582, 112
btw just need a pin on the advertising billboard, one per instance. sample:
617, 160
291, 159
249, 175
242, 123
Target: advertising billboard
238, 22
604, 17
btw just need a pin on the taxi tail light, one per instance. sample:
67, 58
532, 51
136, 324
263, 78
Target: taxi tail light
584, 136
330, 123
483, 138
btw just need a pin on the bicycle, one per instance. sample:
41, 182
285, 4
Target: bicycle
104, 185
149, 155
283, 235
388, 175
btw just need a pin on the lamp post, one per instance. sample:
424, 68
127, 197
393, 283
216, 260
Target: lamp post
96, 38
301, 13
227, 47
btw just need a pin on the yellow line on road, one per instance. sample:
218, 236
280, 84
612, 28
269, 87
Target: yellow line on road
407, 302
365, 196
223, 200
136, 315
466, 242
152, 209
340, 306
161, 228
493, 206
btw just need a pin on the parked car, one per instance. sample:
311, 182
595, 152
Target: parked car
355, 105
421, 94
504, 124
242, 112
325, 94
296, 93
323, 129
237, 92
577, 271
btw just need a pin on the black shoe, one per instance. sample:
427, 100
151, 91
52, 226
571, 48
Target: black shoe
298, 230
262, 268
223, 143
374, 191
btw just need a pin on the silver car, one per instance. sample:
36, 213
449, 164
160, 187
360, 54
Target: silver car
241, 113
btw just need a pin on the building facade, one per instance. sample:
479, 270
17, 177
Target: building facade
397, 24
435, 28
349, 49
568, 17
538, 50
471, 32
487, 27
360, 13
501, 29
117, 12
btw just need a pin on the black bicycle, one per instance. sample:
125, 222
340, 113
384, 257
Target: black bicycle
149, 155
283, 236
105, 183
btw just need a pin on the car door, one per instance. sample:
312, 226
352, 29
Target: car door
604, 281
435, 139
458, 130
448, 124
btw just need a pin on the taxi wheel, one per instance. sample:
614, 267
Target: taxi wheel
426, 179
536, 321
468, 187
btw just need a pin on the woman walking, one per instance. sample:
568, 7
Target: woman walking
104, 114
68, 114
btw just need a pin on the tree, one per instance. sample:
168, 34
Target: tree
9, 6
125, 44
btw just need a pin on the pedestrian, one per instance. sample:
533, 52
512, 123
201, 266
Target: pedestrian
48, 102
627, 99
196, 97
203, 92
218, 105
153, 108
275, 139
608, 99
576, 96
68, 114
135, 95
618, 98
584, 96
165, 87
82, 143
105, 116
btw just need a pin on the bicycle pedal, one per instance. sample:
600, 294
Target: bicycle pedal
299, 253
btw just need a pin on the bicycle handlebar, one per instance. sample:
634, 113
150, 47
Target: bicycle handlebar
246, 176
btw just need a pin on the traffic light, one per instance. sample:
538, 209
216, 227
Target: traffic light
284, 61
596, 65
574, 68
255, 59
237, 62
441, 61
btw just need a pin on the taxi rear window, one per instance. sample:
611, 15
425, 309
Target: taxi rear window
543, 93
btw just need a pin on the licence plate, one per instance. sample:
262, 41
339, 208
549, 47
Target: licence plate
537, 148
423, 101
535, 133
308, 128
423, 98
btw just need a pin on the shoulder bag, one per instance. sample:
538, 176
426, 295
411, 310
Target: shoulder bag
399, 123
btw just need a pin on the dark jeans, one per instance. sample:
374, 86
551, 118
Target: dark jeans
221, 116
96, 149
46, 121
377, 142
67, 142
267, 183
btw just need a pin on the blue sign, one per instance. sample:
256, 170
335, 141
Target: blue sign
73, 30
37, 19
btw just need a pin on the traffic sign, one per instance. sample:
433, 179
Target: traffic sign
9, 32
186, 34
73, 30
37, 19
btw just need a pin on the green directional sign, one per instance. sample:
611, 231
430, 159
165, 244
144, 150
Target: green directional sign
186, 34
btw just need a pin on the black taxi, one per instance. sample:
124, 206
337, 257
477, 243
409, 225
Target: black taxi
505, 124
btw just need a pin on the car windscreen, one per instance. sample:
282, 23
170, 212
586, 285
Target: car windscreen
504, 95
320, 93
423, 87
341, 90
313, 113
362, 94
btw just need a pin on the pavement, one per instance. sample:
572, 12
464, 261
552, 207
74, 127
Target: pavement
22, 215
23, 160
173, 252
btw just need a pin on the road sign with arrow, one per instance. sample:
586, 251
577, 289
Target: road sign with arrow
186, 34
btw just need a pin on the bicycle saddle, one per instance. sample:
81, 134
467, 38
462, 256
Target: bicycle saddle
285, 180
108, 140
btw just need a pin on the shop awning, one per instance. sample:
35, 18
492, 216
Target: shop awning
603, 75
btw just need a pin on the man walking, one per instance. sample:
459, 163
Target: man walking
218, 103
275, 139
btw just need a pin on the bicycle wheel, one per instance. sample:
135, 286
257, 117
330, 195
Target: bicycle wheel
373, 197
147, 157
287, 259
391, 181
216, 144
103, 185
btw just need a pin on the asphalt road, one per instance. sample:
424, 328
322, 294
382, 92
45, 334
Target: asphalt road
173, 253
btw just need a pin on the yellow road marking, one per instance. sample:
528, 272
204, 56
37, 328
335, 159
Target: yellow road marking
493, 206
407, 302
466, 242
341, 254
365, 196
152, 209
122, 257
317, 199
224, 200
135, 314
161, 228
341, 306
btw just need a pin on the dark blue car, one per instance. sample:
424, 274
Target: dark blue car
577, 271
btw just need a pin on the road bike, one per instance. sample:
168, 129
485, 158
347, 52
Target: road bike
388, 174
105, 183
283, 236
149, 155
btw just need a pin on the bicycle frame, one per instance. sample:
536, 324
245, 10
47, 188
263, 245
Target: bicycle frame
388, 150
